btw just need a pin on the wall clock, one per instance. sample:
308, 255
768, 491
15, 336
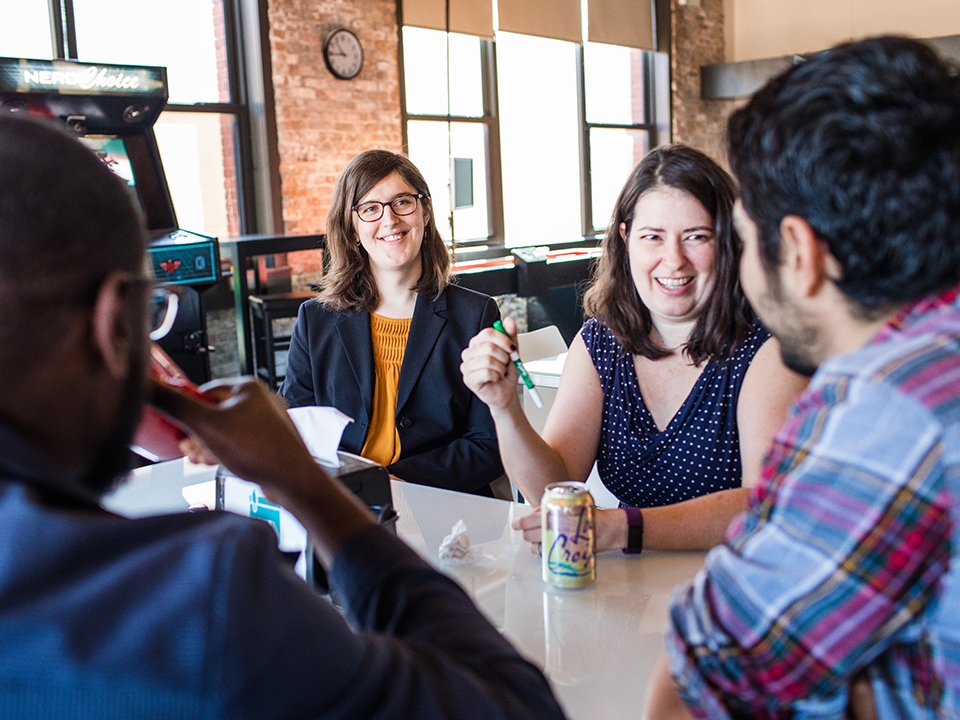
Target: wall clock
343, 54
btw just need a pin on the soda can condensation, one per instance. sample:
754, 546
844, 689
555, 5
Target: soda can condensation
567, 538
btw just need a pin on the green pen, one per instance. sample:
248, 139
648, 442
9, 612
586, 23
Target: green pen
515, 358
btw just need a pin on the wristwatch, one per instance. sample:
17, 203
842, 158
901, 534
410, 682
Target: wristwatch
634, 530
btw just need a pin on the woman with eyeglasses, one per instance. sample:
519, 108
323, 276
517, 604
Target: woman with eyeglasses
672, 386
382, 341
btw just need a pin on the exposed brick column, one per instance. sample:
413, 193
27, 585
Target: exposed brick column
698, 39
323, 122
226, 123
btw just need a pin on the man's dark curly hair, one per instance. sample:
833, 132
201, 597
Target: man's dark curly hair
862, 142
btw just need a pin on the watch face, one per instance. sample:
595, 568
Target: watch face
343, 54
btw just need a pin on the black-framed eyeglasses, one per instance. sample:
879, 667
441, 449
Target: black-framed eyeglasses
402, 205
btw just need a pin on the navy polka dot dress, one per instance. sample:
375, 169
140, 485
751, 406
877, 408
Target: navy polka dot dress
699, 450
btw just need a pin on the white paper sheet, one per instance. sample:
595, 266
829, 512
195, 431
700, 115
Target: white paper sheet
321, 429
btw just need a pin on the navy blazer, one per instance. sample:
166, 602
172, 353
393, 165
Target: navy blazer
447, 437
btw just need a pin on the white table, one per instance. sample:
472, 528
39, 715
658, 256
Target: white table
597, 645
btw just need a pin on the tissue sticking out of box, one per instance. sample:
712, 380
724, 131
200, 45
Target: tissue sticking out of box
321, 429
456, 549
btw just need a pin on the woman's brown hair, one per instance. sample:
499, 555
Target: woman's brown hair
612, 297
349, 283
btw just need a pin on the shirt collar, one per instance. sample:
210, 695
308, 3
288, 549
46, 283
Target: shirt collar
911, 313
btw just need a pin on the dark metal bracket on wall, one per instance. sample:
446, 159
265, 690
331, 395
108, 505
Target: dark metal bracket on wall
738, 79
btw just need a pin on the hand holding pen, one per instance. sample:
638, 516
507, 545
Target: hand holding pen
515, 359
486, 365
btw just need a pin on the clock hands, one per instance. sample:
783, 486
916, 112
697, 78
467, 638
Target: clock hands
343, 54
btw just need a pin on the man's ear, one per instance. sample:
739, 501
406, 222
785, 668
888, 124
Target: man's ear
805, 261
111, 326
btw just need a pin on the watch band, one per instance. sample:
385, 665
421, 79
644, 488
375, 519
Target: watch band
634, 531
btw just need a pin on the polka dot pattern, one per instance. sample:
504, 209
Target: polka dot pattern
699, 450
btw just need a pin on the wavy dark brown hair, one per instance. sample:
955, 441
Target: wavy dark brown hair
612, 297
349, 283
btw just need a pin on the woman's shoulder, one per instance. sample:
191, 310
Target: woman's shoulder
313, 309
465, 304
465, 296
756, 337
318, 318
596, 334
601, 343
739, 359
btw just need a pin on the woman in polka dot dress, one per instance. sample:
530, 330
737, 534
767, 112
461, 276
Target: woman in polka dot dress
672, 386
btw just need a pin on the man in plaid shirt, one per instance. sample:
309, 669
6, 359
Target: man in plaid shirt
841, 576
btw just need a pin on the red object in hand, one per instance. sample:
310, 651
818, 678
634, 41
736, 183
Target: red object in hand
158, 436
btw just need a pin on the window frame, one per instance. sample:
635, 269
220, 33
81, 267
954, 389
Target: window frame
589, 229
245, 144
652, 124
489, 119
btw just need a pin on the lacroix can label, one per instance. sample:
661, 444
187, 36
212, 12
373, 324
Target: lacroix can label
567, 537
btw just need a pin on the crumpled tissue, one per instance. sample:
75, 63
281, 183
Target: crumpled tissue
456, 549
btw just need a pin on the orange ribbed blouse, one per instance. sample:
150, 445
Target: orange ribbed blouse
389, 341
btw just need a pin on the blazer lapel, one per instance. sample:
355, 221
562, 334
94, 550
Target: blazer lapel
354, 330
425, 328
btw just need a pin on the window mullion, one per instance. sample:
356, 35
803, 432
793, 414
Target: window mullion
491, 112
223, 108
623, 126
586, 191
649, 99
63, 29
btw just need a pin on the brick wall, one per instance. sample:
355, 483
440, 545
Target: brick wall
698, 39
323, 122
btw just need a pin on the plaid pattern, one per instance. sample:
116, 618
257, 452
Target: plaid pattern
843, 559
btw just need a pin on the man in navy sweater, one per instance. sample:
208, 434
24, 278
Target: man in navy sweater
191, 615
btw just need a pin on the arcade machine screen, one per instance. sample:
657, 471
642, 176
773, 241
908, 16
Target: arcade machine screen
113, 152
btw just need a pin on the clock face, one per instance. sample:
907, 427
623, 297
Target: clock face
343, 54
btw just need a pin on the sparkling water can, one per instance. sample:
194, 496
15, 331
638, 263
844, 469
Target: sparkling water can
567, 538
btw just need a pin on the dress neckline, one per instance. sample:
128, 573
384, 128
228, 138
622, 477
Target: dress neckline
684, 408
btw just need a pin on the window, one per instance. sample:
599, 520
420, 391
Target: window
25, 30
198, 132
451, 123
539, 145
552, 130
617, 123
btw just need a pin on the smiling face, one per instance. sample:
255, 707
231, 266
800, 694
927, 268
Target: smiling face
671, 244
392, 242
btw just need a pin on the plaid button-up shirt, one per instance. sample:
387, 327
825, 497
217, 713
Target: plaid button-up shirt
844, 558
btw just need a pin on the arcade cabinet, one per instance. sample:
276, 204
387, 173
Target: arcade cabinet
113, 109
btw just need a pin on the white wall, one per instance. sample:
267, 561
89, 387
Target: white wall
757, 29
